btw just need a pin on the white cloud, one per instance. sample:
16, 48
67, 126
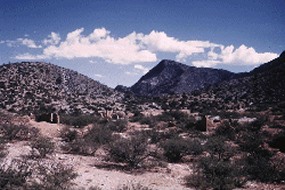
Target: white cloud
101, 45
160, 42
28, 42
131, 73
53, 39
136, 48
99, 33
98, 75
91, 61
141, 68
205, 63
21, 41
230, 55
244, 56
28, 56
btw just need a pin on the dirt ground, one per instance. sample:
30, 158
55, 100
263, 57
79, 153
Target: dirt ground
170, 178
89, 174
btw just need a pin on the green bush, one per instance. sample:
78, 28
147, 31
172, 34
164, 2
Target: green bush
94, 188
81, 147
99, 135
218, 148
119, 125
14, 176
88, 144
53, 177
175, 149
18, 132
3, 151
43, 145
278, 142
131, 150
227, 130
68, 134
211, 173
194, 147
78, 120
159, 136
133, 186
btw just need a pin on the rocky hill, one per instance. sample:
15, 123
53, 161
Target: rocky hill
170, 77
29, 87
263, 86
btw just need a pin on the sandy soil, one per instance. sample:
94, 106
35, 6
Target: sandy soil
89, 174
170, 178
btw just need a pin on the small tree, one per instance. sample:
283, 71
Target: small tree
175, 148
217, 147
129, 150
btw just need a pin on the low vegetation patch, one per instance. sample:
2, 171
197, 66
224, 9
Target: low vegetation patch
20, 132
78, 120
42, 146
132, 150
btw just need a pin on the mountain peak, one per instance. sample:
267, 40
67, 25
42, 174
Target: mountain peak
275, 64
171, 77
282, 55
168, 62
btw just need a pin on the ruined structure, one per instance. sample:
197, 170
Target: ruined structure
48, 117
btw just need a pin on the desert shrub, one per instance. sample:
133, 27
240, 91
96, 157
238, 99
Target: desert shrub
133, 186
211, 173
136, 117
43, 145
99, 135
89, 143
78, 120
53, 177
175, 149
149, 120
119, 125
201, 124
18, 132
165, 116
194, 147
218, 170
81, 147
227, 130
218, 148
129, 150
14, 176
256, 163
3, 151
68, 134
94, 188
256, 155
250, 141
229, 115
278, 142
157, 136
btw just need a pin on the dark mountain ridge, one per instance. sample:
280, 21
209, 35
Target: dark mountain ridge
170, 77
273, 65
263, 86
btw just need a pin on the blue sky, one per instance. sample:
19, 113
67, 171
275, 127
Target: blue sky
116, 42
